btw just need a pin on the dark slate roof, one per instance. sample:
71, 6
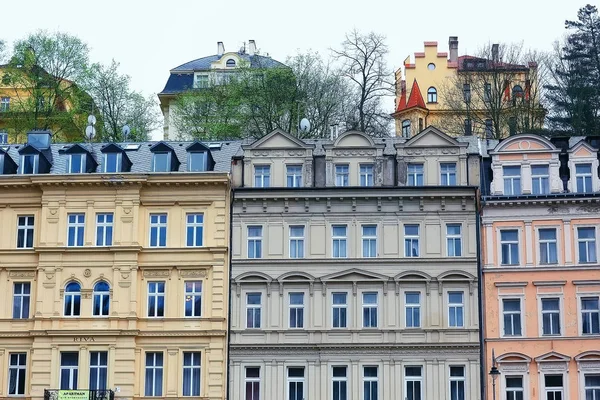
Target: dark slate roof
178, 82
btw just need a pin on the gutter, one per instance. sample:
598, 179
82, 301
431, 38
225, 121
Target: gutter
480, 287
229, 305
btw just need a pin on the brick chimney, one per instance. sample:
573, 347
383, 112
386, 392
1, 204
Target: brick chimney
220, 49
251, 47
453, 48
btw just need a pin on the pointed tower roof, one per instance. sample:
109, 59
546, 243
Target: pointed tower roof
402, 102
415, 99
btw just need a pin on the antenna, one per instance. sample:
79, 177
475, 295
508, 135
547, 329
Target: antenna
125, 131
90, 129
304, 125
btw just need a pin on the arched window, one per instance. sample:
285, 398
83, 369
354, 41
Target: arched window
406, 128
230, 63
72, 299
432, 95
101, 299
517, 94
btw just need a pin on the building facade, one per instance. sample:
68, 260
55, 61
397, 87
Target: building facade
114, 269
541, 283
354, 269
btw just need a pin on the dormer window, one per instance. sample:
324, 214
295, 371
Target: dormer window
583, 176
1, 163
201, 81
113, 162
512, 180
230, 63
540, 178
161, 162
197, 161
76, 163
30, 163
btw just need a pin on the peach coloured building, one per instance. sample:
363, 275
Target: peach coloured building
541, 278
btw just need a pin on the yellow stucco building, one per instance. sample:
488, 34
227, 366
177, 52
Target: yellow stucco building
114, 265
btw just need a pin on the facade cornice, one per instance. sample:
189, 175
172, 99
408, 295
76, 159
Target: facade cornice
510, 284
549, 283
541, 200
356, 261
355, 191
542, 339
369, 348
529, 269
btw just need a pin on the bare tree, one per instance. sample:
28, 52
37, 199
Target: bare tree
364, 64
3, 52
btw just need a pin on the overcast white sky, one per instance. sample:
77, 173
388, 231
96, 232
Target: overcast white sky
150, 37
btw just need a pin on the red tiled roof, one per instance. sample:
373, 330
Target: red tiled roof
402, 103
430, 44
415, 99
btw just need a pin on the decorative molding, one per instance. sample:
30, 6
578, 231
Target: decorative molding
87, 272
192, 273
154, 273
510, 284
549, 283
586, 282
21, 274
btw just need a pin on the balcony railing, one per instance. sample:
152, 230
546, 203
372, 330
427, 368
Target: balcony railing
78, 394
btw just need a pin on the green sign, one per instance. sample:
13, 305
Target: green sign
73, 395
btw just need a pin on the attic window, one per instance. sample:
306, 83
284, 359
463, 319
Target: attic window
76, 163
161, 162
30, 163
1, 163
112, 162
197, 161
230, 63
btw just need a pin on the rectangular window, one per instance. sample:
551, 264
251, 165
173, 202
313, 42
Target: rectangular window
98, 370
340, 383
540, 178
586, 243
262, 176
411, 240
514, 388
592, 387
201, 81
4, 104
296, 242
448, 172
339, 310
294, 175
25, 224
366, 175
158, 230
193, 298
156, 299
553, 387
104, 229
414, 175
75, 229
341, 175
468, 127
512, 180
338, 233
489, 129
412, 307
21, 298
296, 310
590, 315
29, 163
548, 246
454, 240
413, 381
112, 162
370, 383
295, 383
583, 177
369, 241
154, 374
252, 383
253, 310
369, 307
255, 242
467, 92
197, 161
456, 309
511, 314
161, 161
457, 383
487, 91
194, 230
69, 368
17, 373
509, 243
76, 163
550, 316
191, 374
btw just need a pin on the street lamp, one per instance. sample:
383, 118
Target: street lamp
494, 373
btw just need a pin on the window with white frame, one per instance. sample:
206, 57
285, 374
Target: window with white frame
197, 161
252, 383
194, 230
296, 310
113, 162
72, 296
104, 229
161, 161
193, 299
262, 176
412, 308
411, 240
294, 175
511, 316
454, 240
414, 175
21, 300
341, 175
339, 310
295, 383
509, 243
553, 387
456, 309
255, 241
4, 104
540, 179
512, 180
457, 383
76, 163
369, 307
583, 178
590, 315
297, 241
413, 382
586, 244
69, 370
339, 382
75, 229
592, 386
101, 299
25, 226
514, 387
158, 230
156, 299
548, 246
406, 128
366, 174
98, 370
154, 374
369, 241
370, 383
550, 316
17, 373
30, 163
253, 310
191, 373
448, 174
339, 241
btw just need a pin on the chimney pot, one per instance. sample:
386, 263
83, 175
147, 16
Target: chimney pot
220, 49
251, 47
